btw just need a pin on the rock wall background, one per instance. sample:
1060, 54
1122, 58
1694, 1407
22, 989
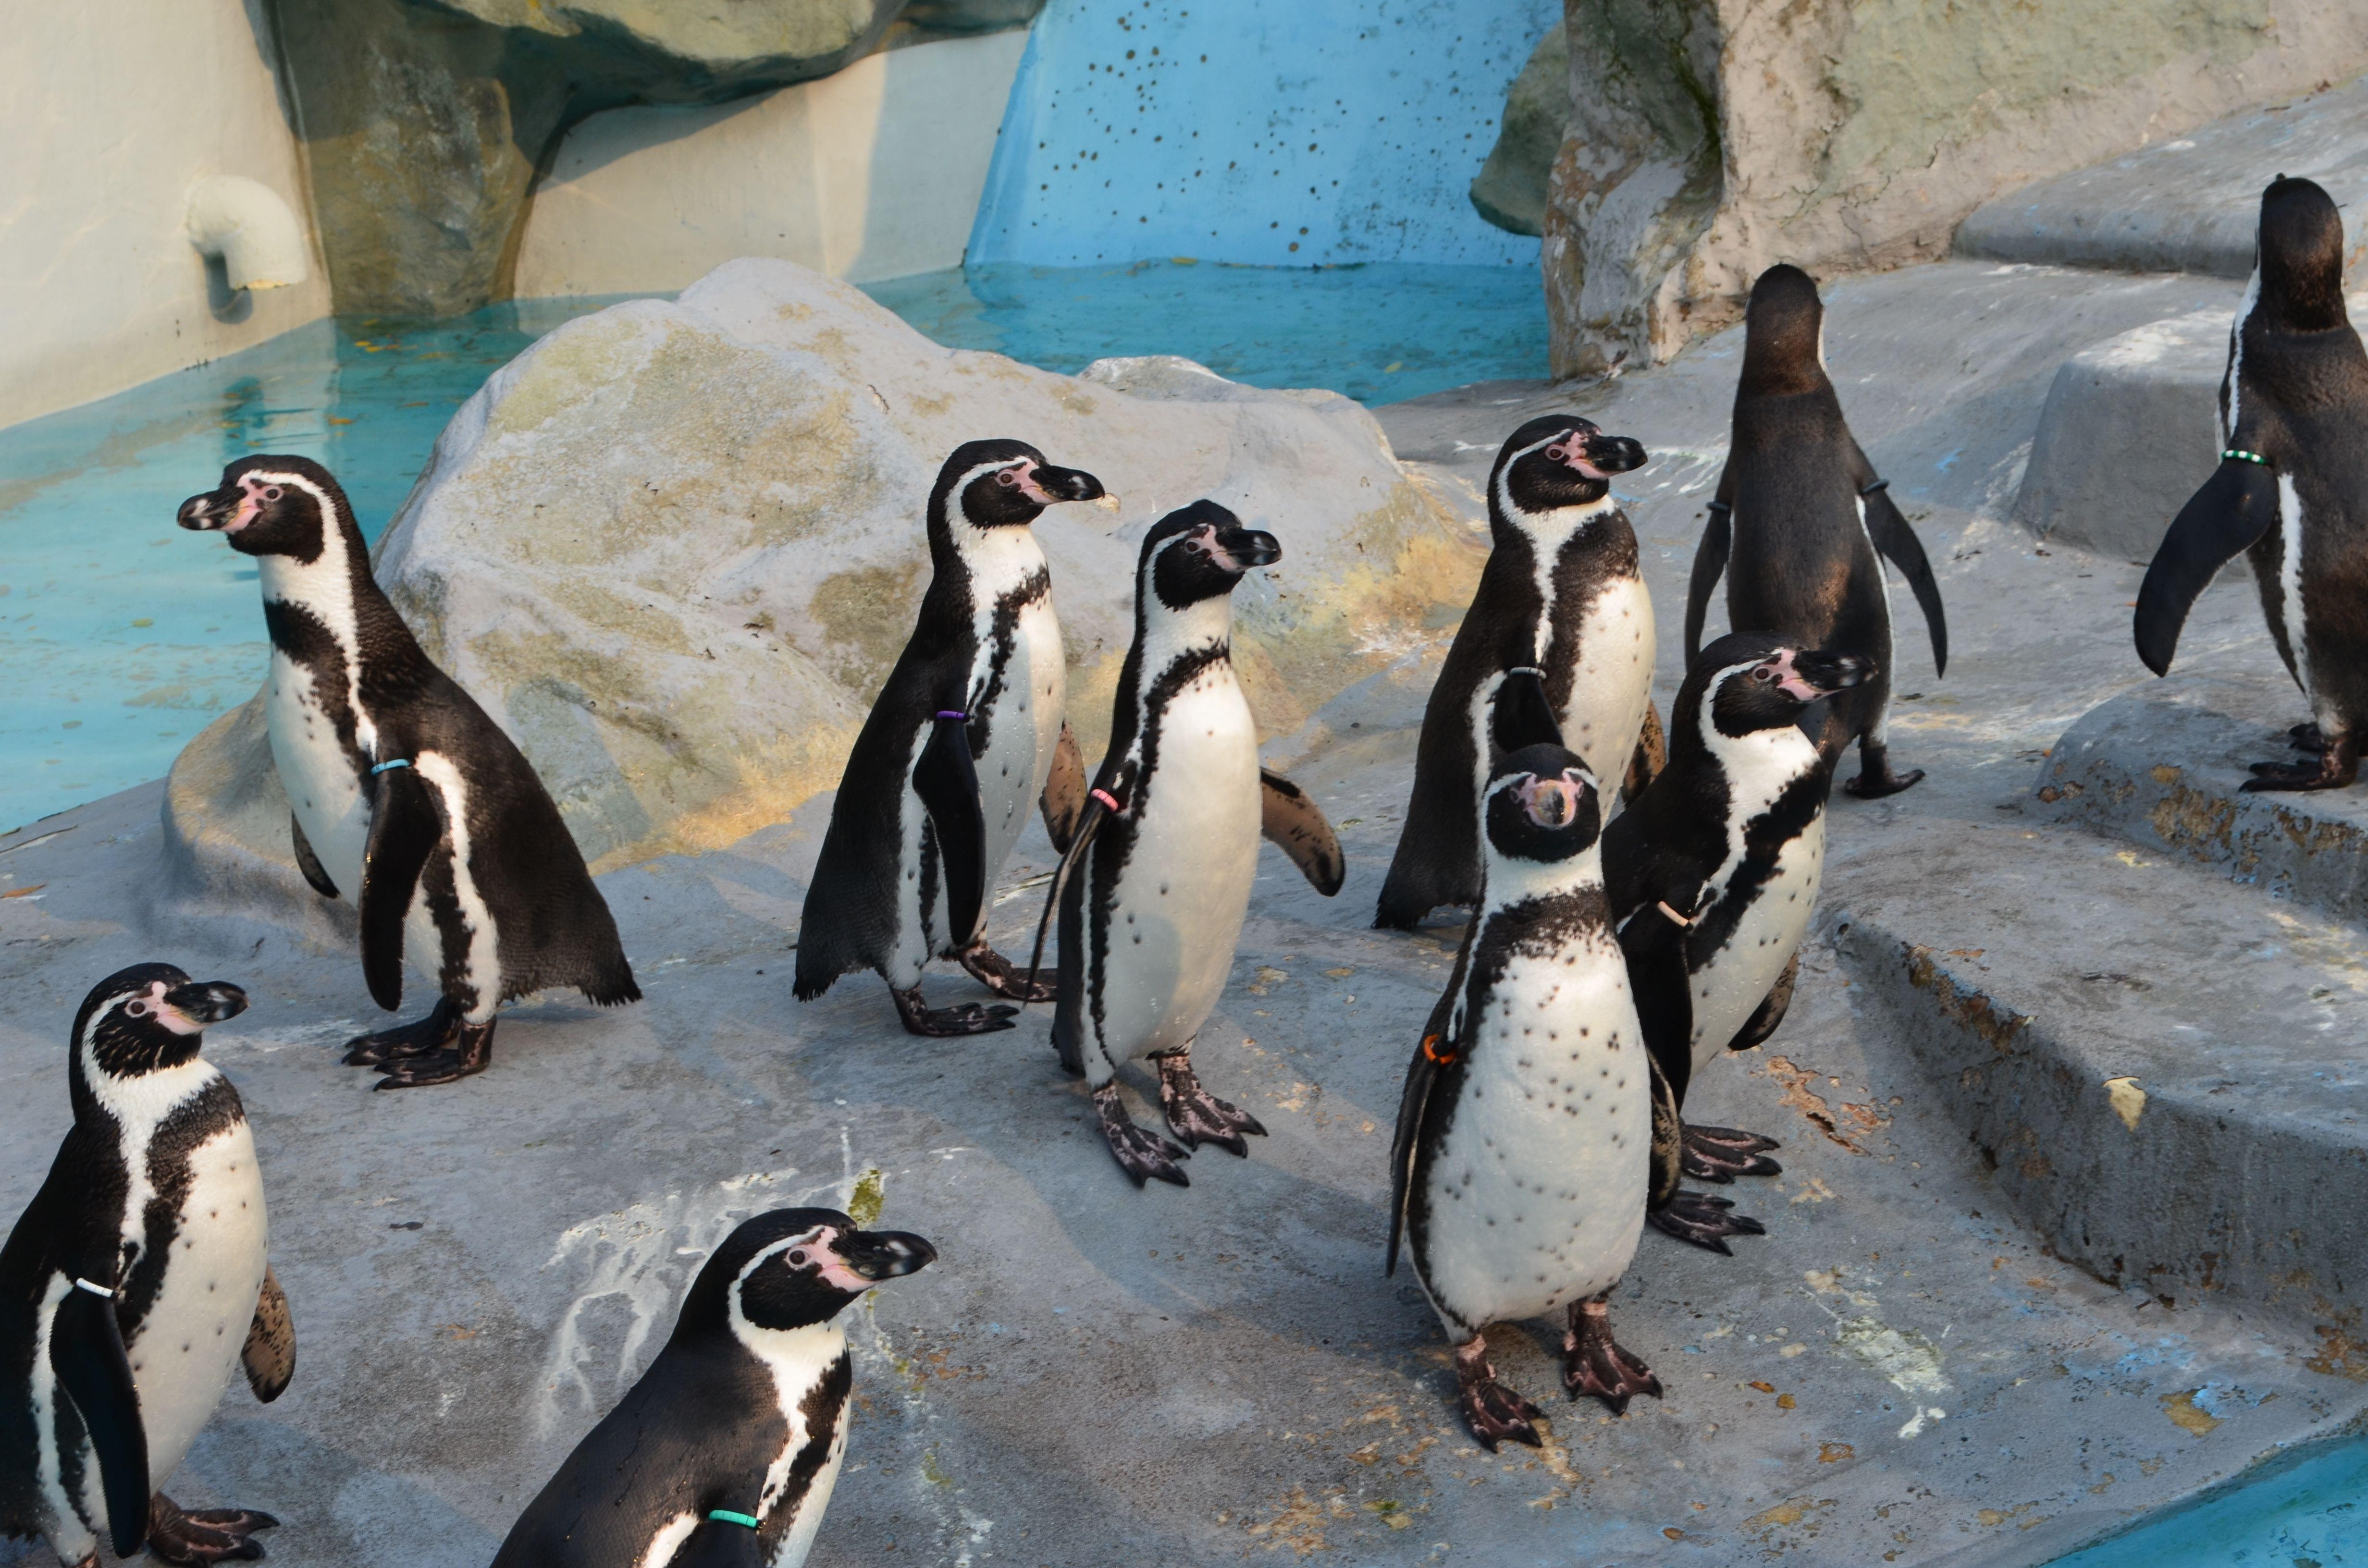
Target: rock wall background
675, 550
1710, 139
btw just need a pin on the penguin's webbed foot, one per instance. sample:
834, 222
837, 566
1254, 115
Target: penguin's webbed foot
1702, 1220
1493, 1412
1875, 781
431, 1033
1593, 1362
208, 1535
471, 1053
1140, 1153
971, 1018
2338, 766
1197, 1116
1721, 1154
2306, 737
1003, 977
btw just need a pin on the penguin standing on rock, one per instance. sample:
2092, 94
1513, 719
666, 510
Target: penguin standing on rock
724, 1454
133, 1283
1154, 889
1712, 874
1526, 1131
1562, 617
2290, 491
964, 739
1808, 523
407, 797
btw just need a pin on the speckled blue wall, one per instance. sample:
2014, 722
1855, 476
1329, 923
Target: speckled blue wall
1280, 132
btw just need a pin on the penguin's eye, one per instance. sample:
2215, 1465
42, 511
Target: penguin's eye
137, 1007
1008, 477
1763, 674
797, 1259
271, 492
1558, 451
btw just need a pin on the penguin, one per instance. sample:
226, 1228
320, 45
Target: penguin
1524, 1156
963, 742
1155, 884
2291, 491
1561, 603
407, 797
1808, 524
725, 1453
1712, 874
134, 1282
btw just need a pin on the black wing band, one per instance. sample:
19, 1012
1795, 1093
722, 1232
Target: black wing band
2237, 506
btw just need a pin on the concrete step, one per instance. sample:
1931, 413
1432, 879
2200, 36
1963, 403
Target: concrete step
2162, 766
2165, 1075
2188, 204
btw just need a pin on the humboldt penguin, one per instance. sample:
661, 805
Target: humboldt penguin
961, 744
1802, 525
407, 798
2291, 491
1560, 605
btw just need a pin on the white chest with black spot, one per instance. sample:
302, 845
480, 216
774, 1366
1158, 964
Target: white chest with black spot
315, 768
1025, 727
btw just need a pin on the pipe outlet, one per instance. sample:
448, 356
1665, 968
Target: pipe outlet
261, 241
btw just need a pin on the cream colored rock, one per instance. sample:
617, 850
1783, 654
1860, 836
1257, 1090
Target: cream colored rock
1710, 139
675, 548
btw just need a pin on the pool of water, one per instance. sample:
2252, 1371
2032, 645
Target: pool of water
124, 636
2305, 1514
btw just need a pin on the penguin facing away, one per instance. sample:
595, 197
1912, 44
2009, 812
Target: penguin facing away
2291, 493
1525, 1138
407, 797
963, 742
1808, 523
134, 1282
1712, 875
1155, 884
725, 1452
1561, 602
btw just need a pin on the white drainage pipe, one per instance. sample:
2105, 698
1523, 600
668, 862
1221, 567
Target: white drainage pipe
261, 241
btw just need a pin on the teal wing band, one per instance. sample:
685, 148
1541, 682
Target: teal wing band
726, 1517
2243, 456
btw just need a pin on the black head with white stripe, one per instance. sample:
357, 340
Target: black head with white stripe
2300, 258
1541, 805
1758, 682
274, 505
1200, 553
1557, 460
149, 1018
795, 1268
1004, 484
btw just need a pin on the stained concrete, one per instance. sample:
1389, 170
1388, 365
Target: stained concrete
1906, 1369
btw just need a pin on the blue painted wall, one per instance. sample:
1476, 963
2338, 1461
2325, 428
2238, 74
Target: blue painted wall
1275, 132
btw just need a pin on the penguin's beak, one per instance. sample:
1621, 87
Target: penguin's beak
1052, 485
1248, 546
885, 1254
1601, 456
206, 1001
214, 511
1821, 672
1551, 802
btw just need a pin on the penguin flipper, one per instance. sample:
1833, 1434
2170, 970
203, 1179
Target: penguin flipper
270, 1355
1064, 801
1651, 756
2235, 506
1771, 1012
88, 1354
1899, 544
946, 780
1654, 942
1441, 1042
405, 829
309, 863
1297, 825
1710, 564
1667, 1165
1521, 714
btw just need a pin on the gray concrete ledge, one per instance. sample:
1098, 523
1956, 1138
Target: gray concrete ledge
2188, 204
2146, 1065
2162, 766
2130, 430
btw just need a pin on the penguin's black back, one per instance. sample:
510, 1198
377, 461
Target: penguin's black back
695, 1433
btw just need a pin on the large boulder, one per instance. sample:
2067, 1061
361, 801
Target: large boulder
674, 550
1710, 139
424, 121
1510, 189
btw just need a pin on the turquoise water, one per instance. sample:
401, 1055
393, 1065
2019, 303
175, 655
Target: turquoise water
124, 636
2303, 1515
